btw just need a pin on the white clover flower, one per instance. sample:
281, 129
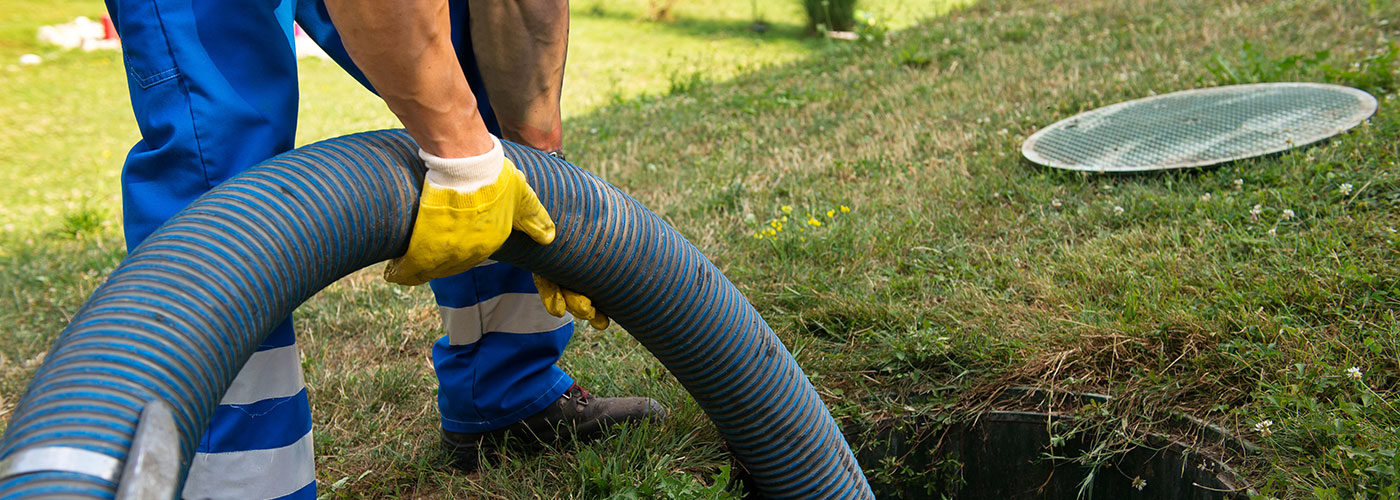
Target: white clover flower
1287, 214
1258, 209
1205, 197
1055, 203
1354, 373
1264, 428
1139, 483
1273, 231
1117, 210
1345, 189
1239, 183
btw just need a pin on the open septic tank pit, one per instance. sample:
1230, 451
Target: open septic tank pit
1010, 452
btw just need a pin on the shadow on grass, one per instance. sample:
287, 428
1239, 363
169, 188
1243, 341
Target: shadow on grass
708, 28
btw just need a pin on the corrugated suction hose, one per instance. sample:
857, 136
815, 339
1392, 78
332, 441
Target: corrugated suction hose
174, 323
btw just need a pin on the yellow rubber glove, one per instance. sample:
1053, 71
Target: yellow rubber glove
466, 212
557, 300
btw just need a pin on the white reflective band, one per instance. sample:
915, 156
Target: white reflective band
61, 459
519, 313
274, 373
252, 475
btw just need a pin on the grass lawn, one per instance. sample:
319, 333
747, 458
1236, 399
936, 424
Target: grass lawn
1241, 294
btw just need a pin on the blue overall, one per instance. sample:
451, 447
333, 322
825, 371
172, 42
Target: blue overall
213, 85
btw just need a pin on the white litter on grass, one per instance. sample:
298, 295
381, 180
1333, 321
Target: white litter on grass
81, 33
86, 34
30, 59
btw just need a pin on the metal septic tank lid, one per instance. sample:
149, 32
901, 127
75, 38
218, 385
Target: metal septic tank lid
1194, 128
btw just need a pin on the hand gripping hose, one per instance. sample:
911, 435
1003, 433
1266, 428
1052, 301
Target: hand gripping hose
122, 398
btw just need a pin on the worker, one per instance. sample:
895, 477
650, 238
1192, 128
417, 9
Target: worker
213, 86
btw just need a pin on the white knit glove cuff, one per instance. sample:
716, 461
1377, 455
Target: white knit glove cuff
465, 174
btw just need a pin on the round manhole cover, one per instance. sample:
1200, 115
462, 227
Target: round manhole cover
1195, 128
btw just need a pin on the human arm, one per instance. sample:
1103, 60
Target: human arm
404, 48
521, 46
472, 195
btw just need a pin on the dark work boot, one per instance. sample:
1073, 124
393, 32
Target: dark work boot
575, 415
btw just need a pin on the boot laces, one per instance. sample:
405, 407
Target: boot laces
578, 394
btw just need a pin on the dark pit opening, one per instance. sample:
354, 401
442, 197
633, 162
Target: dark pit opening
1019, 454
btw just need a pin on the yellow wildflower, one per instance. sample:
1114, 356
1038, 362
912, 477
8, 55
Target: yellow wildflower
813, 222
845, 209
831, 214
787, 209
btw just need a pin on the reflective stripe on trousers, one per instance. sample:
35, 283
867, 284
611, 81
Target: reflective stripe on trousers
213, 89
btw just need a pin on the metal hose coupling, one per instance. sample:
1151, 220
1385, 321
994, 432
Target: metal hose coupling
151, 470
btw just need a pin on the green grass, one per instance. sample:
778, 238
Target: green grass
68, 117
960, 269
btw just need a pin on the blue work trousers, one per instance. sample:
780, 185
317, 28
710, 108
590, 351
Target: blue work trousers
213, 85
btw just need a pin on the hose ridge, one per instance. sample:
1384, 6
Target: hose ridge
191, 304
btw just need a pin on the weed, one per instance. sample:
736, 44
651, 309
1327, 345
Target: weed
789, 230
1332, 414
935, 481
728, 199
686, 82
914, 58
614, 478
1378, 73
830, 15
82, 222
1251, 65
871, 29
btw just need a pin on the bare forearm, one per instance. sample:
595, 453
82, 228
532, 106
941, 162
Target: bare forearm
405, 49
520, 46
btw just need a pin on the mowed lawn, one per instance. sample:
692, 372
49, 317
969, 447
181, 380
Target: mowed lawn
944, 268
